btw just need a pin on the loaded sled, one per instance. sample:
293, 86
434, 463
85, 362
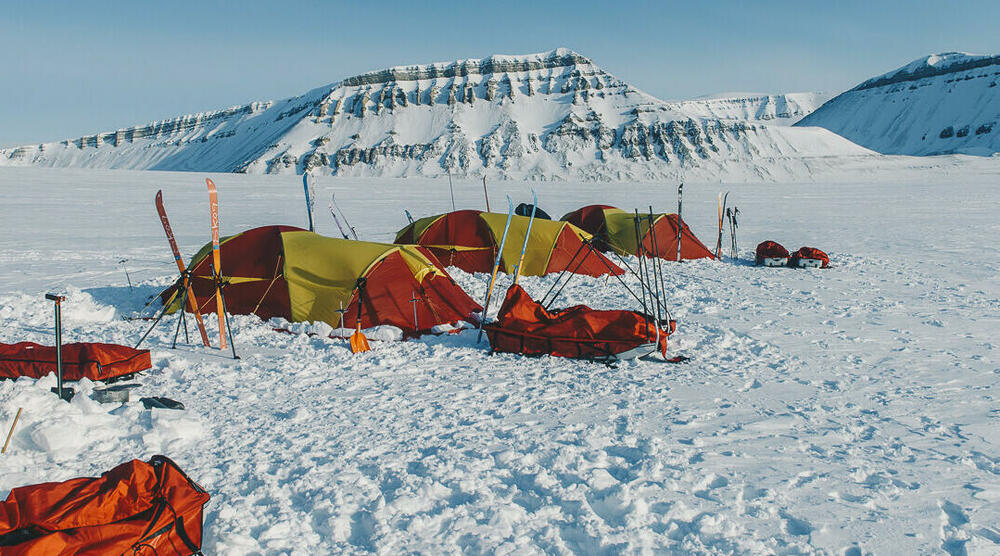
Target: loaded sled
525, 327
138, 508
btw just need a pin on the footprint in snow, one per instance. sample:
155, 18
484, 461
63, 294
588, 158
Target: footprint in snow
953, 513
953, 534
796, 526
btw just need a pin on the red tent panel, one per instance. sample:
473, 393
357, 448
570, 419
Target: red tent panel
589, 219
391, 286
666, 241
594, 263
255, 253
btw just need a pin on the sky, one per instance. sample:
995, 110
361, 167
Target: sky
76, 68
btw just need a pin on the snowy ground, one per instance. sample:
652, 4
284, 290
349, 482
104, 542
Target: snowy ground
844, 411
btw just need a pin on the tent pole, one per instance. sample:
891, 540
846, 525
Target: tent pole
656, 257
659, 267
180, 318
638, 252
578, 265
163, 311
558, 278
628, 268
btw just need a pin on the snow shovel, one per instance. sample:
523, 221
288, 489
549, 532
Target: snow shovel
359, 342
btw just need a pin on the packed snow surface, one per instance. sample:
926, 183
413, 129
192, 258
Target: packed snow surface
842, 411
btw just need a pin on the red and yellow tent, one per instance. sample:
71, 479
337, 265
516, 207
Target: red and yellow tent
283, 271
615, 229
469, 239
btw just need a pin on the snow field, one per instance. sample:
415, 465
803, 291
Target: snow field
846, 411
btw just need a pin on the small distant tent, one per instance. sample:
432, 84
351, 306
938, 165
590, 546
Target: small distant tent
615, 230
283, 271
525, 209
469, 239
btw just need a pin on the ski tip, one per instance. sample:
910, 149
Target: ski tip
210, 182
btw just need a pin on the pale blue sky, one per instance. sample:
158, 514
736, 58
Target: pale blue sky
72, 68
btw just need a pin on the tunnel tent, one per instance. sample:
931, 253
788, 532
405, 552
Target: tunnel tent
614, 229
469, 240
301, 276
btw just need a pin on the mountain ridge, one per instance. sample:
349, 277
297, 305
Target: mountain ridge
550, 115
945, 103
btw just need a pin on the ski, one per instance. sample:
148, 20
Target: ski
652, 358
496, 267
408, 216
722, 213
310, 199
527, 235
192, 302
333, 204
213, 199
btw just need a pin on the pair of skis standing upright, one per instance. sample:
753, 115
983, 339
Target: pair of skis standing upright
358, 340
186, 291
310, 192
730, 214
503, 242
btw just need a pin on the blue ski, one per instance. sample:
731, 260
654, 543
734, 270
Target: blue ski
496, 267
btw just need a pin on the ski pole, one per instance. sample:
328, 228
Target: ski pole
232, 343
122, 262
452, 189
486, 194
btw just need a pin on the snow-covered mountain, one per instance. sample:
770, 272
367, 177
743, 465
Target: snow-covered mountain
944, 103
541, 116
784, 109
